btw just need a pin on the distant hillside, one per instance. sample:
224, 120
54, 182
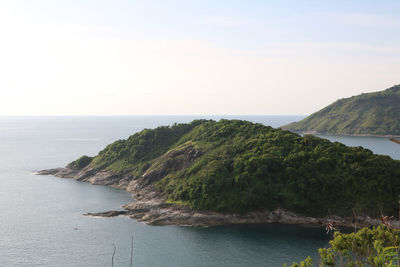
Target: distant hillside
366, 114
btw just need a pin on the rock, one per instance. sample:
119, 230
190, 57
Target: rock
49, 171
60, 172
112, 213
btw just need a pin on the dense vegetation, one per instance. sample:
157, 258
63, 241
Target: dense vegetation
366, 247
244, 166
80, 163
365, 114
136, 153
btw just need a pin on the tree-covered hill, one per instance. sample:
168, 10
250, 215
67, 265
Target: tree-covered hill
239, 166
366, 114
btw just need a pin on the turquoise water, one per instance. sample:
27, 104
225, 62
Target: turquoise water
41, 216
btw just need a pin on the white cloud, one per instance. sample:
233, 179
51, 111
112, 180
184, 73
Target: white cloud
224, 21
331, 49
364, 19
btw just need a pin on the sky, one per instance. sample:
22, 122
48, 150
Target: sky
171, 57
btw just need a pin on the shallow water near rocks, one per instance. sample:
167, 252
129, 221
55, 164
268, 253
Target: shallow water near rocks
41, 216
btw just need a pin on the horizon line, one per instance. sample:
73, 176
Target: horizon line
150, 115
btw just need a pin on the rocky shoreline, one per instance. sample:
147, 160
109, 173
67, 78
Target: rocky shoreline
150, 207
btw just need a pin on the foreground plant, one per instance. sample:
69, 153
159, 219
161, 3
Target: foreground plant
378, 246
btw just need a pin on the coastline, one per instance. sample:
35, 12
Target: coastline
394, 140
151, 208
344, 134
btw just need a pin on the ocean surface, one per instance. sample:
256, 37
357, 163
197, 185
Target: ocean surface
41, 216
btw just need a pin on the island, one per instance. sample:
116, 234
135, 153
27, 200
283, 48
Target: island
222, 172
372, 114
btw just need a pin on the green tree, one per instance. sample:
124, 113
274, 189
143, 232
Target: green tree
378, 247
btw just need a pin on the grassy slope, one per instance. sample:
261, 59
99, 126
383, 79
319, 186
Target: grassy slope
245, 166
369, 114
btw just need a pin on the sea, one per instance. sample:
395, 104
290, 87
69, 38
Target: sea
41, 221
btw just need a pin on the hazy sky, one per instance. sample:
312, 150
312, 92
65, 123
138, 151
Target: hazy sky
193, 57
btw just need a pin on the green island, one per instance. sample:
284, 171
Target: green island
375, 114
239, 166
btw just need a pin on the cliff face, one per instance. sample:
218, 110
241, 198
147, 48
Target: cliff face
366, 114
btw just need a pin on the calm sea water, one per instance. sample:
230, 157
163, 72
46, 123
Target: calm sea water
41, 216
